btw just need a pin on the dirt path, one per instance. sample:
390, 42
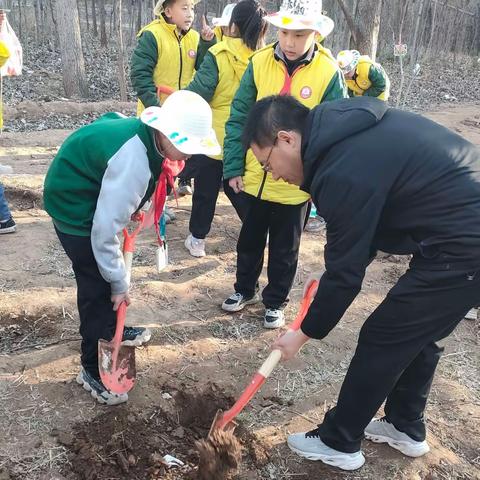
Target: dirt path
198, 360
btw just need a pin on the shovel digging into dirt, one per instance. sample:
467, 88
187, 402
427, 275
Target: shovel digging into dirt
220, 453
116, 362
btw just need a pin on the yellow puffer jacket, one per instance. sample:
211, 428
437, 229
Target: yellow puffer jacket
176, 57
232, 57
4, 54
308, 85
362, 83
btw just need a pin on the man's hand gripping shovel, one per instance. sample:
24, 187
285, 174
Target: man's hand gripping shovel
225, 420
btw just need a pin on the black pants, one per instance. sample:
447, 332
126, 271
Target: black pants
397, 355
284, 224
189, 170
97, 318
208, 178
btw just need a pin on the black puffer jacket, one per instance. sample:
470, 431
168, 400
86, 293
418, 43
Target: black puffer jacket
385, 179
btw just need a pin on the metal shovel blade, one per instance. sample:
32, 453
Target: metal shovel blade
116, 366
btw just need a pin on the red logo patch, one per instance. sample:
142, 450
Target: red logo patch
192, 53
306, 92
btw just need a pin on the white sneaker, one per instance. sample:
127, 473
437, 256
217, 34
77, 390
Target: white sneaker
379, 430
274, 318
309, 445
236, 302
195, 246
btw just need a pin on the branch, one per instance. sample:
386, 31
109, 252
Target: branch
350, 22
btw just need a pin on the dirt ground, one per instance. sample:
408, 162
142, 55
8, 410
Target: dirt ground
199, 359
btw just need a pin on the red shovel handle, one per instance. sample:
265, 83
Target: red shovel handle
305, 305
270, 363
129, 238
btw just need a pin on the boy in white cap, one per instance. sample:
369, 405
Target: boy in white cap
103, 174
364, 76
295, 65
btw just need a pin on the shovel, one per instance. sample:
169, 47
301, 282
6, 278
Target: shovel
224, 420
116, 362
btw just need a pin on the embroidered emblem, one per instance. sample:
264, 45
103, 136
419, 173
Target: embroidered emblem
306, 92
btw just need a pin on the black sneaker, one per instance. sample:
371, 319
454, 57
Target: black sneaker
236, 302
98, 391
135, 336
8, 226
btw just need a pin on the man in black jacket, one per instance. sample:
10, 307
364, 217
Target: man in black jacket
383, 179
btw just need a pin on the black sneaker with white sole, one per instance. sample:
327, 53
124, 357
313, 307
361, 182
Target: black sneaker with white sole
135, 336
98, 391
274, 318
236, 302
8, 226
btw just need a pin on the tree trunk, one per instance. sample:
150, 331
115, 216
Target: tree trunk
86, 15
414, 46
366, 25
120, 54
103, 30
139, 16
94, 19
73, 64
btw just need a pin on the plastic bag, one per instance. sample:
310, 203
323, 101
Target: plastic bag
14, 64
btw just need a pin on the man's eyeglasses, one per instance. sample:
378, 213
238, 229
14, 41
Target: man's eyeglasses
266, 167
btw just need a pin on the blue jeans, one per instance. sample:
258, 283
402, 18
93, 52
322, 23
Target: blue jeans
4, 210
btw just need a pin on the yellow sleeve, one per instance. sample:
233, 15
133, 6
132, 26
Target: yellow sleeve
4, 54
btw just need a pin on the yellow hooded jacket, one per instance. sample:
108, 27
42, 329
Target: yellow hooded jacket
232, 57
308, 84
176, 56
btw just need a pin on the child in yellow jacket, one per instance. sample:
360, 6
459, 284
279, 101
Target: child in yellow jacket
364, 76
168, 51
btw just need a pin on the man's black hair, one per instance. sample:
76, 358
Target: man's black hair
269, 116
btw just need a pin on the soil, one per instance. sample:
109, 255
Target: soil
199, 358
132, 443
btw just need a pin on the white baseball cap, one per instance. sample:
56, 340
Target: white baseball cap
302, 15
224, 20
185, 118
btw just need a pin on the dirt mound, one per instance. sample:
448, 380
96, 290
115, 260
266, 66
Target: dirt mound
124, 442
20, 198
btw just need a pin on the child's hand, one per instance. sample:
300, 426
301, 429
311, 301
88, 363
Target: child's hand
290, 343
314, 277
236, 183
136, 217
207, 33
118, 299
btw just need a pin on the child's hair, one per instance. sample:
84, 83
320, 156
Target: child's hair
249, 18
168, 3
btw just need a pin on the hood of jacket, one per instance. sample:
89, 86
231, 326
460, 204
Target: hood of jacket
334, 122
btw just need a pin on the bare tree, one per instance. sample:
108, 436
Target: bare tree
103, 29
120, 54
365, 25
73, 64
94, 19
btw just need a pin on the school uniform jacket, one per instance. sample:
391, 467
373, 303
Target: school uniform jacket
102, 174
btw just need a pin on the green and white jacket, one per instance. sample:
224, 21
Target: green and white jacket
102, 174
